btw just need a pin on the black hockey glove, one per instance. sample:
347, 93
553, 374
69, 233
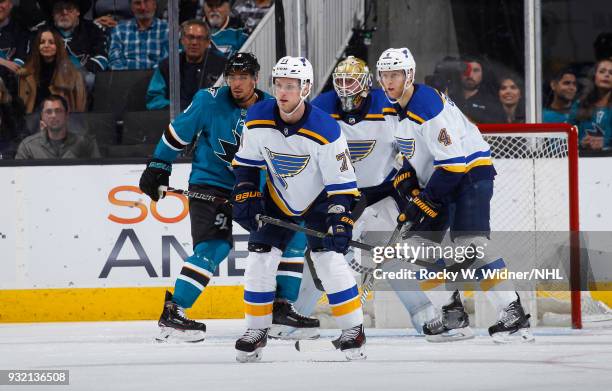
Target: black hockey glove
419, 208
247, 203
155, 175
340, 229
406, 183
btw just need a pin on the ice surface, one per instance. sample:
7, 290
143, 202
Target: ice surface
123, 356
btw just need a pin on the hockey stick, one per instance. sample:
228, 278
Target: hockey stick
192, 194
308, 231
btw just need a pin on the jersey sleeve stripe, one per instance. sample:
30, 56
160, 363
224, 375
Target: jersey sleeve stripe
341, 186
313, 136
260, 123
238, 161
455, 160
335, 116
174, 139
170, 145
480, 162
455, 169
477, 155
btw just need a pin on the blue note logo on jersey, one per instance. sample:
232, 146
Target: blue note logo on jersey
230, 148
286, 166
360, 149
406, 146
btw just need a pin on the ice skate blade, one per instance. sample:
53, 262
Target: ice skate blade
520, 336
254, 356
171, 335
293, 334
355, 354
452, 335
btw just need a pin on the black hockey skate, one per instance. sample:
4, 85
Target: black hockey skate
352, 342
513, 325
287, 323
176, 327
452, 325
249, 346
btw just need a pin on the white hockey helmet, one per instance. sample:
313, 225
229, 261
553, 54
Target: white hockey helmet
294, 68
399, 59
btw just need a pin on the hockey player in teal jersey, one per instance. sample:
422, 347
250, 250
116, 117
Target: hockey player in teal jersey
310, 178
214, 121
453, 165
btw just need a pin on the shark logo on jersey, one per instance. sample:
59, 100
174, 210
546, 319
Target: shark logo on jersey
406, 146
230, 148
360, 149
213, 91
286, 166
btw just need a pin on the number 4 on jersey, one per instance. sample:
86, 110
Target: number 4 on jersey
444, 138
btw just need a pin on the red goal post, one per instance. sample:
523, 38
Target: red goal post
569, 134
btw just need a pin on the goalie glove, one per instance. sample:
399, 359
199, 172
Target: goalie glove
155, 175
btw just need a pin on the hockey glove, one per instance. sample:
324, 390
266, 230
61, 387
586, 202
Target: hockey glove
340, 229
406, 183
247, 203
155, 175
419, 208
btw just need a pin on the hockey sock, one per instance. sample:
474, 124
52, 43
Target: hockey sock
198, 270
289, 273
500, 293
260, 287
309, 295
341, 289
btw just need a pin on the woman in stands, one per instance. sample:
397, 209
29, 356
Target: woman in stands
595, 109
48, 70
510, 97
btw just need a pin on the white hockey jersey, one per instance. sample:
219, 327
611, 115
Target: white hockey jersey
369, 137
434, 134
302, 160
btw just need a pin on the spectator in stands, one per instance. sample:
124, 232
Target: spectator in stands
251, 12
49, 70
85, 41
200, 67
477, 102
595, 109
55, 141
510, 97
227, 32
140, 42
107, 13
13, 46
12, 122
563, 106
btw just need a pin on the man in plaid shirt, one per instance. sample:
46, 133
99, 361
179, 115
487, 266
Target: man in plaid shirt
141, 42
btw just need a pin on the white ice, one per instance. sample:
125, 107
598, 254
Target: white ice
123, 356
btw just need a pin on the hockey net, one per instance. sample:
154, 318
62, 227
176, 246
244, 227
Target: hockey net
536, 190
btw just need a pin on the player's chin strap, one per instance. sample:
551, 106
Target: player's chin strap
302, 99
407, 85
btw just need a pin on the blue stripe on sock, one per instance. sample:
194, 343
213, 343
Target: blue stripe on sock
342, 296
259, 297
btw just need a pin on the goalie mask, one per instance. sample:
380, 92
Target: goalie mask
352, 82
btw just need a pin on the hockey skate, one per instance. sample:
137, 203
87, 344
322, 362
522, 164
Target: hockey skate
352, 343
176, 327
452, 325
513, 325
249, 347
289, 324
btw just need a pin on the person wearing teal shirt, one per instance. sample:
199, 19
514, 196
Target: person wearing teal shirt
563, 107
595, 110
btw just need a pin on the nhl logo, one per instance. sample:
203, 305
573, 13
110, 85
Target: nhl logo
286, 131
352, 120
243, 112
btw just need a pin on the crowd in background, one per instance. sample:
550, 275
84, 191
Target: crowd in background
58, 47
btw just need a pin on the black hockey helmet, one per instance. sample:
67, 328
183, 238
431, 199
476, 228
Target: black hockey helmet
242, 62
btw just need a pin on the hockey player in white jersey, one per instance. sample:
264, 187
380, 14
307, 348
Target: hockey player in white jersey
360, 111
454, 168
310, 178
